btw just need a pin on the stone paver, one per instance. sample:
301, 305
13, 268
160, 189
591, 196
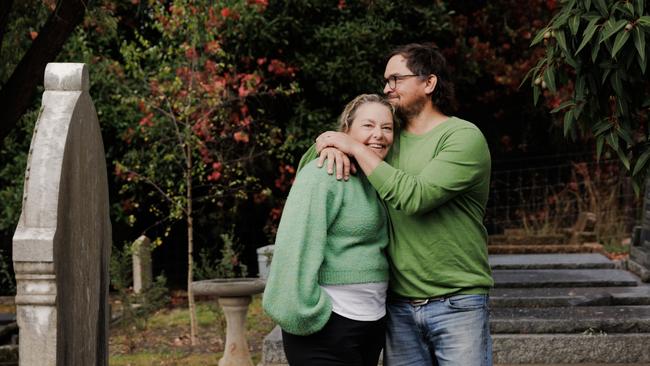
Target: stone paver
7, 318
577, 319
553, 349
570, 296
563, 278
550, 261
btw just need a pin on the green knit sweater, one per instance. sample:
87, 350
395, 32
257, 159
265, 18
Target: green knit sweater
331, 233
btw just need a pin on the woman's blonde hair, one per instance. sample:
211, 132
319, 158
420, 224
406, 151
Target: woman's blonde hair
348, 115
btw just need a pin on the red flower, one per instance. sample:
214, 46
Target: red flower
551, 4
147, 120
214, 176
241, 136
191, 54
212, 47
227, 13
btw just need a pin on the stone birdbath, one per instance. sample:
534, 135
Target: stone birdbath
234, 297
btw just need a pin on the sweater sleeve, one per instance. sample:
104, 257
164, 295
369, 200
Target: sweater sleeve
293, 297
462, 162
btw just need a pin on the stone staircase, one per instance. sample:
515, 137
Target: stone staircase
556, 309
568, 309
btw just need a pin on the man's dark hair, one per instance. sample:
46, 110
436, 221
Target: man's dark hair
424, 60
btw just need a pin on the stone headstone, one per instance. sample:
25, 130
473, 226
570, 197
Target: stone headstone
264, 257
142, 271
62, 243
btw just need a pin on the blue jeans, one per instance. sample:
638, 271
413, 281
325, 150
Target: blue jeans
454, 331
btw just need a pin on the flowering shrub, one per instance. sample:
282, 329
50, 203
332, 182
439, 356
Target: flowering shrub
196, 108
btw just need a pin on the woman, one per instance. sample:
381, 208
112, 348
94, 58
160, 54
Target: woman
328, 279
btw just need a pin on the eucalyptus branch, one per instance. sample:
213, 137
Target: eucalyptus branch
144, 232
157, 188
178, 132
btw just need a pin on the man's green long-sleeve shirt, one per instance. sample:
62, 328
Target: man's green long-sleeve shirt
436, 186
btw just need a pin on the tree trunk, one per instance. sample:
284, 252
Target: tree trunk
17, 94
190, 249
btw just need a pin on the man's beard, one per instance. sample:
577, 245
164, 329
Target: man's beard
408, 112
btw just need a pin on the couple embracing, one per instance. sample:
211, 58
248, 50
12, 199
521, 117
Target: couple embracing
394, 256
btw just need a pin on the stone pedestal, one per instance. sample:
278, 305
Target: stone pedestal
234, 298
236, 352
62, 243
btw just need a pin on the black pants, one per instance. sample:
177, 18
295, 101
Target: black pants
342, 342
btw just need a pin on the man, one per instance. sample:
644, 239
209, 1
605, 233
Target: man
435, 184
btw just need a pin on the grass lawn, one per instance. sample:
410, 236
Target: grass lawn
165, 338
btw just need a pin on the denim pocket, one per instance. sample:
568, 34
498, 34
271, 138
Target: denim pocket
467, 302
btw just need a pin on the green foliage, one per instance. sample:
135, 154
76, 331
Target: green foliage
92, 38
7, 282
196, 127
136, 309
247, 86
25, 20
596, 61
229, 264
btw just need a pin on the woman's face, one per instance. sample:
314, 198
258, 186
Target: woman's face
373, 127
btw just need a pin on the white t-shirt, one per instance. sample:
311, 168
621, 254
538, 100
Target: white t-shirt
359, 301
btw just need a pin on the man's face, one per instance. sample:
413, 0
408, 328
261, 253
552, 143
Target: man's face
408, 96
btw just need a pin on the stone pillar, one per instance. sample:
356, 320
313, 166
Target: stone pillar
639, 262
62, 243
141, 256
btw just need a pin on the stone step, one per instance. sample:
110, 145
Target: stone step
551, 261
518, 278
581, 349
527, 239
569, 296
576, 320
547, 248
529, 349
6, 318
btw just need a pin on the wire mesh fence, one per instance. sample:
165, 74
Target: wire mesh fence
544, 195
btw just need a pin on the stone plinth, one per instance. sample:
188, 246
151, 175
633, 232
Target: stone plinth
62, 243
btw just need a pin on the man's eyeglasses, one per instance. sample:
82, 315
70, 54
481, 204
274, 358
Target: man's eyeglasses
393, 79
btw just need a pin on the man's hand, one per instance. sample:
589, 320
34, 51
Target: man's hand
343, 166
335, 147
341, 141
